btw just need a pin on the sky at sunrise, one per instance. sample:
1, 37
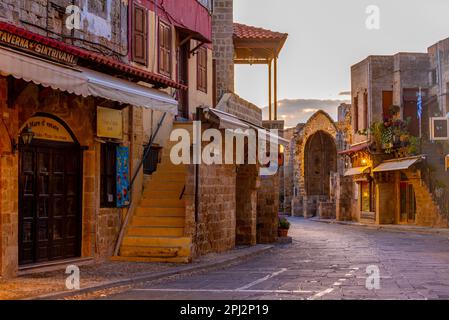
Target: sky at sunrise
326, 37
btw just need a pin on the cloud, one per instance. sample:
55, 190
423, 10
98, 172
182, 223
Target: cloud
295, 111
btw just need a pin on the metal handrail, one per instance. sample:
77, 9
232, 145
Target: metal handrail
147, 152
131, 185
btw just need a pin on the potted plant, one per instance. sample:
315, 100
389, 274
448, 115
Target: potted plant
284, 226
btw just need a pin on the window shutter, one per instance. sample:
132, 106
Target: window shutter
139, 36
165, 49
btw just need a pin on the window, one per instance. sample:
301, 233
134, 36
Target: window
365, 111
356, 114
202, 69
164, 49
387, 102
139, 43
108, 174
367, 199
433, 77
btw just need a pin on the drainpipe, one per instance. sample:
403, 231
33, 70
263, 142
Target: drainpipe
197, 171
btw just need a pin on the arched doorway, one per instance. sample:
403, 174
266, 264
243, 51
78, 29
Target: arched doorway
50, 173
320, 161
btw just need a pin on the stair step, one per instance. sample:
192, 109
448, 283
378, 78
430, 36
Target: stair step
171, 168
155, 232
158, 222
154, 252
164, 185
169, 176
152, 259
164, 242
160, 212
161, 194
162, 203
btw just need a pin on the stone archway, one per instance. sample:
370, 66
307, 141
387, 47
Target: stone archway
320, 161
314, 161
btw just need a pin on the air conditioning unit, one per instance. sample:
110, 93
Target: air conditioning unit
439, 128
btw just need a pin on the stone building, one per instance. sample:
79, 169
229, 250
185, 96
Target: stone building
394, 169
72, 106
313, 166
87, 117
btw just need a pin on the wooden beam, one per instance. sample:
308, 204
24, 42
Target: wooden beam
269, 90
275, 88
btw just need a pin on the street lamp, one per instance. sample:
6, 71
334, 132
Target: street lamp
27, 135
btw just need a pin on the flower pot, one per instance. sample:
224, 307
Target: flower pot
282, 233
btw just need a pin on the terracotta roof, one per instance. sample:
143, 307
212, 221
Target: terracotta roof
92, 56
245, 32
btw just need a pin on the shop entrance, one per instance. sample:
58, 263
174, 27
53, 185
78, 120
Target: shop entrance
408, 203
49, 201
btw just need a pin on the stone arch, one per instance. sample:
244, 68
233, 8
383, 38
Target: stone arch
318, 126
320, 159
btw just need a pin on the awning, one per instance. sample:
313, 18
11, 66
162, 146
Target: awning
83, 82
36, 70
229, 121
356, 171
225, 120
398, 164
111, 88
356, 148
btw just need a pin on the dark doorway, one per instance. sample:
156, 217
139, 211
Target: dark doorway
49, 202
408, 203
320, 157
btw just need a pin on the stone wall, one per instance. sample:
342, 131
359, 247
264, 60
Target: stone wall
246, 204
223, 46
216, 225
233, 104
268, 209
103, 25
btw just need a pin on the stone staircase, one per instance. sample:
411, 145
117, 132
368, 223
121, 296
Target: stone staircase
156, 230
435, 159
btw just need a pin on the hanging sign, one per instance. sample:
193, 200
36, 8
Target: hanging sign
109, 123
46, 128
122, 177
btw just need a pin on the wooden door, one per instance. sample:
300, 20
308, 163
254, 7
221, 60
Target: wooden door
49, 203
408, 203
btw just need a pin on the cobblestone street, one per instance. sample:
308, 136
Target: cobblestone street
326, 261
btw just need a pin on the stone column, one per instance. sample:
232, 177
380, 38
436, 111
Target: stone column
223, 46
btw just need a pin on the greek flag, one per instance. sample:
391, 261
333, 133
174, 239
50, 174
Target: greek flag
419, 105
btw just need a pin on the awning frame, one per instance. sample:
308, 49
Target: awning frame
398, 164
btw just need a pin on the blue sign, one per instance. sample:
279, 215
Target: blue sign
122, 177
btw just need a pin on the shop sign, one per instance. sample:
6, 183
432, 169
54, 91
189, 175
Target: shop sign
122, 177
46, 128
109, 123
30, 46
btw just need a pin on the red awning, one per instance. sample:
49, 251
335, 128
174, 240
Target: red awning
356, 148
189, 16
141, 74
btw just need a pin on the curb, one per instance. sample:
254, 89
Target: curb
428, 231
157, 276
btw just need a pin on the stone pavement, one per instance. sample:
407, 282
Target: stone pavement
325, 261
104, 275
